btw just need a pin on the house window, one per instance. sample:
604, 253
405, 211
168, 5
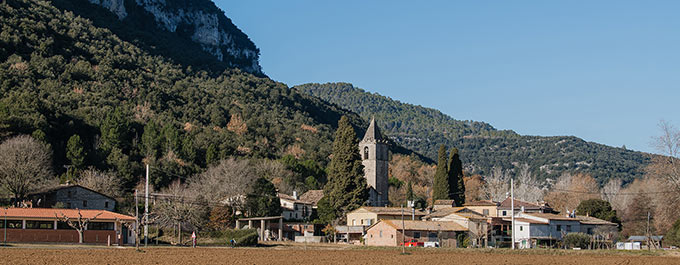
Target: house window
391, 236
380, 233
11, 224
485, 212
296, 216
568, 228
100, 226
69, 195
106, 204
416, 234
505, 213
354, 222
39, 225
68, 205
559, 228
590, 230
84, 203
63, 225
362, 221
366, 152
521, 228
295, 206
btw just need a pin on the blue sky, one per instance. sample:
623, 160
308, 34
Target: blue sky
605, 71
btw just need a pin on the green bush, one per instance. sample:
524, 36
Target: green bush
243, 237
576, 240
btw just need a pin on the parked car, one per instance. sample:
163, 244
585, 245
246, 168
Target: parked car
413, 243
431, 244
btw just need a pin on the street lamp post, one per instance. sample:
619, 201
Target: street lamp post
5, 240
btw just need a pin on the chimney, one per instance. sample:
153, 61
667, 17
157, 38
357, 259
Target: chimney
295, 195
522, 209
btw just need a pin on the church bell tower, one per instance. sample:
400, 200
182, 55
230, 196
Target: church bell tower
375, 157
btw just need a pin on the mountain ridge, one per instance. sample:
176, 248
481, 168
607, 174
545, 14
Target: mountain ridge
483, 147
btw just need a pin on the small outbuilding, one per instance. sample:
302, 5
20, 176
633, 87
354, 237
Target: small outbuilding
36, 225
389, 232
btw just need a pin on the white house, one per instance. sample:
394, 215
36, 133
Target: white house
293, 208
533, 229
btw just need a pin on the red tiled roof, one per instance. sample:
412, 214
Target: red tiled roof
518, 204
481, 203
425, 225
53, 213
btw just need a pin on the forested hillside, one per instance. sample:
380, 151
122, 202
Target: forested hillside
482, 147
85, 91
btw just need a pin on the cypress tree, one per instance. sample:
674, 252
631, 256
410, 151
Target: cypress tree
456, 181
346, 188
75, 151
441, 180
410, 196
262, 199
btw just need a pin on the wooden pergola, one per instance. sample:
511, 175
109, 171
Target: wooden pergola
263, 223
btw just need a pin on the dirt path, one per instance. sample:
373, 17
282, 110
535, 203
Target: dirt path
295, 255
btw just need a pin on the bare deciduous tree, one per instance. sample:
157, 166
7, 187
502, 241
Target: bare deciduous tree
178, 206
105, 182
667, 166
611, 192
25, 165
497, 185
79, 224
527, 188
570, 190
228, 179
278, 174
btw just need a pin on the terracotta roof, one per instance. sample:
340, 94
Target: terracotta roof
481, 203
445, 211
425, 225
552, 216
525, 220
312, 196
287, 197
444, 202
52, 213
60, 187
519, 204
592, 220
390, 210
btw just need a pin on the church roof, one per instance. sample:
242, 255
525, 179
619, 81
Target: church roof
373, 133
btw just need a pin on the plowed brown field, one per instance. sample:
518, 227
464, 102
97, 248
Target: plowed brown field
297, 255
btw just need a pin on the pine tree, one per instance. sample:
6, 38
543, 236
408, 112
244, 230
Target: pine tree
346, 188
262, 199
211, 154
114, 130
151, 140
410, 196
456, 181
75, 152
441, 184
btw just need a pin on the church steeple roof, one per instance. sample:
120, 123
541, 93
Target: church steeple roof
373, 133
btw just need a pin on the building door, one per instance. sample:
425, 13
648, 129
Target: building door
124, 235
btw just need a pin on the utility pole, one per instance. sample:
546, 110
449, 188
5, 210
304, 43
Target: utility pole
512, 211
403, 232
136, 220
648, 235
146, 209
5, 241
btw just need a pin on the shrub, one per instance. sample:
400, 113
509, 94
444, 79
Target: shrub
243, 237
576, 240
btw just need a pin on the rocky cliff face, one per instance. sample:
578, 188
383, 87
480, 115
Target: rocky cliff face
207, 25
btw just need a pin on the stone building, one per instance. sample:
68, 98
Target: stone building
374, 152
72, 197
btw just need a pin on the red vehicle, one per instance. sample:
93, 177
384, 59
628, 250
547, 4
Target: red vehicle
414, 243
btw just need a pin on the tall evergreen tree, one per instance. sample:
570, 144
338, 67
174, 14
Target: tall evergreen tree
441, 181
456, 181
346, 188
211, 154
262, 199
410, 196
75, 151
151, 140
114, 130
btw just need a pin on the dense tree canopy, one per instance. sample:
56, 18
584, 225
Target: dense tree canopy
346, 188
424, 129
